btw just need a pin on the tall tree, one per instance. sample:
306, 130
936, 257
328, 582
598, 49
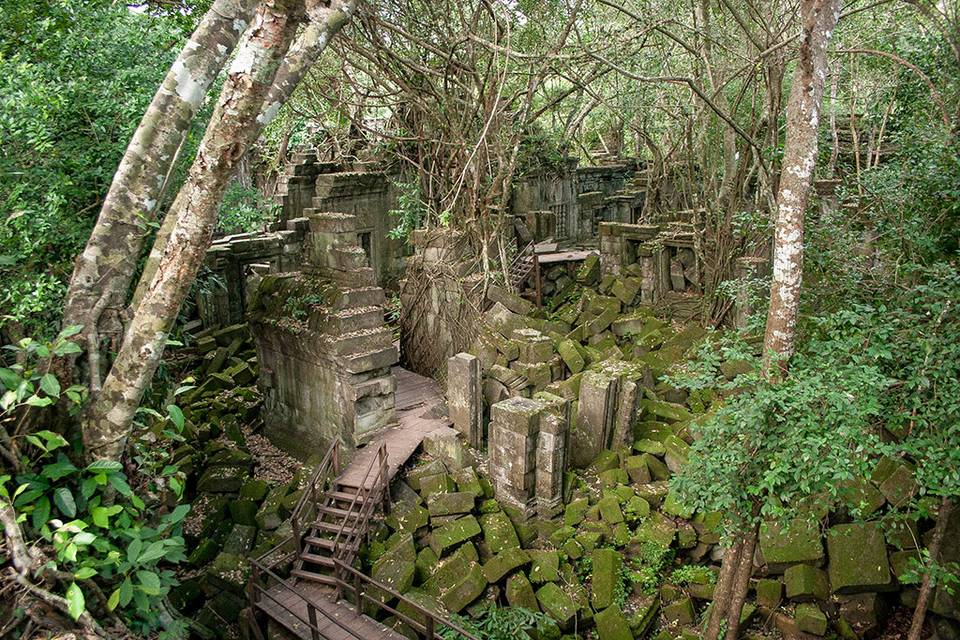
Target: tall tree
799, 159
252, 93
102, 273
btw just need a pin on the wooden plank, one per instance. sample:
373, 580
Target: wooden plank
565, 256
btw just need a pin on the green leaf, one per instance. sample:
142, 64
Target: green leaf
50, 385
104, 465
113, 600
179, 513
75, 601
37, 401
59, 469
153, 552
149, 582
84, 538
120, 484
133, 550
70, 331
66, 348
54, 440
10, 378
63, 498
176, 416
41, 512
85, 572
101, 515
126, 592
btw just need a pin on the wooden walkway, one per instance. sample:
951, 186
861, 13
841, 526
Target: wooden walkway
335, 620
416, 395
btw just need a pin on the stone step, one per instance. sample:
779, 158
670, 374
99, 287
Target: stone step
355, 319
347, 257
363, 341
376, 359
361, 277
360, 298
331, 221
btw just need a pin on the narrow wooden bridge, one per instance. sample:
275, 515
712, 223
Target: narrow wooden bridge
309, 585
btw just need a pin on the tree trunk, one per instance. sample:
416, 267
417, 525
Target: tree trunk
233, 128
799, 158
103, 271
721, 595
324, 24
741, 585
926, 586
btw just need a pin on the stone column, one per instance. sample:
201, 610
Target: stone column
551, 454
514, 427
596, 413
464, 400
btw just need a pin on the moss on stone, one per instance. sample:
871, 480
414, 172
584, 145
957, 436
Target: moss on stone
557, 604
605, 577
612, 625
454, 533
505, 562
544, 566
498, 532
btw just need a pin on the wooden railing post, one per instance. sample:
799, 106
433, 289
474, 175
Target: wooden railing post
312, 616
428, 628
356, 593
384, 481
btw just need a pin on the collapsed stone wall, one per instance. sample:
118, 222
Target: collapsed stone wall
325, 352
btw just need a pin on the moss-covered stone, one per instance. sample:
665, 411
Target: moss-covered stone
676, 454
572, 549
653, 492
810, 619
438, 483
425, 565
205, 551
467, 481
605, 577
614, 477
445, 504
612, 625
806, 583
769, 593
784, 546
505, 562
674, 507
658, 470
899, 486
254, 490
229, 571
557, 604
636, 469
858, 558
862, 497
606, 460
431, 468
544, 566
240, 539
588, 540
680, 612
396, 568
465, 591
407, 517
657, 528
454, 533
575, 512
244, 512
450, 569
222, 479
610, 510
571, 356
561, 535
520, 592
498, 532
272, 513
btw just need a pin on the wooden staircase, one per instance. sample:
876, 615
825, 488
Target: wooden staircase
521, 267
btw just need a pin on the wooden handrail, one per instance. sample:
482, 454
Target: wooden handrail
432, 618
304, 509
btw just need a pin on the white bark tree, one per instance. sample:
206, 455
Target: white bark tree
102, 273
253, 92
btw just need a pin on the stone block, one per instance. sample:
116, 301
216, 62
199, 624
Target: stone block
810, 619
544, 567
464, 397
505, 562
596, 413
784, 546
805, 583
519, 415
498, 532
445, 504
444, 444
557, 604
467, 481
511, 301
866, 613
610, 512
612, 625
605, 577
468, 589
680, 612
520, 593
769, 593
900, 486
431, 468
454, 533
858, 558
571, 356
439, 483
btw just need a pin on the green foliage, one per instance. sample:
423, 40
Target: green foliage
244, 209
29, 383
500, 623
410, 213
649, 566
692, 574
67, 111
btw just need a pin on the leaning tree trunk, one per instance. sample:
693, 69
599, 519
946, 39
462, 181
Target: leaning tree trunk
103, 271
799, 158
233, 128
325, 22
926, 586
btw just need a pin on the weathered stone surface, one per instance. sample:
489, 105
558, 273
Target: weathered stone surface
396, 567
782, 547
769, 593
544, 567
271, 513
445, 504
610, 510
899, 486
505, 562
407, 517
658, 528
439, 483
810, 619
596, 413
467, 481
680, 612
557, 604
806, 583
453, 534
858, 558
431, 468
520, 592
465, 591
865, 612
451, 569
464, 397
605, 577
571, 356
498, 532
612, 625
444, 444
575, 512
511, 301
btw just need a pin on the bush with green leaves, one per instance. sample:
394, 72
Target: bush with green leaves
500, 623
